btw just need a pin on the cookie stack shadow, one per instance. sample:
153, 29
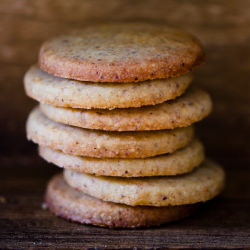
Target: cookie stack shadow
117, 112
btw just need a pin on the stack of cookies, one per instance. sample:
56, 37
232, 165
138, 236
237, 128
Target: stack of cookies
116, 112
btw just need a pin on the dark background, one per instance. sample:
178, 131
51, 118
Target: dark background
223, 27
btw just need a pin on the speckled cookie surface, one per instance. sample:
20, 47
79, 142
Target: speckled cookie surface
71, 204
62, 92
181, 161
101, 144
185, 110
121, 52
204, 183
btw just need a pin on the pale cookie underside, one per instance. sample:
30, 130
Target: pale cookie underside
121, 52
182, 161
204, 183
62, 92
70, 204
102, 144
192, 107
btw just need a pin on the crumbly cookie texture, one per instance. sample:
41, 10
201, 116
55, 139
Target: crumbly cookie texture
191, 107
62, 92
71, 204
102, 144
182, 161
121, 52
204, 183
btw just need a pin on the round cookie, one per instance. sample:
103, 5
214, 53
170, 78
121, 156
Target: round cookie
71, 204
182, 161
62, 92
102, 144
121, 52
204, 183
193, 106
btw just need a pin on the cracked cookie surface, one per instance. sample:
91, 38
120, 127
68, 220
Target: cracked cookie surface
121, 52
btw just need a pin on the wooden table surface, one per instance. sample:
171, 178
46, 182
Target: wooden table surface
223, 28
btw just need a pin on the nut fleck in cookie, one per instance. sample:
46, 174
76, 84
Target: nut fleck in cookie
204, 183
191, 107
182, 161
56, 91
102, 144
71, 204
121, 52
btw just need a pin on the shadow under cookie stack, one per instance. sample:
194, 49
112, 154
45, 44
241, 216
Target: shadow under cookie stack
116, 112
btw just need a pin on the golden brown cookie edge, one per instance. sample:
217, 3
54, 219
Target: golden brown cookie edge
122, 216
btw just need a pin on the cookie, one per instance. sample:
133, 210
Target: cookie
102, 144
71, 204
121, 52
56, 91
204, 183
193, 106
182, 161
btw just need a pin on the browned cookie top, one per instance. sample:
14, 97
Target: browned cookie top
121, 52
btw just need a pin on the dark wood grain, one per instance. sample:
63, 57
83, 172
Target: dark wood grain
223, 27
